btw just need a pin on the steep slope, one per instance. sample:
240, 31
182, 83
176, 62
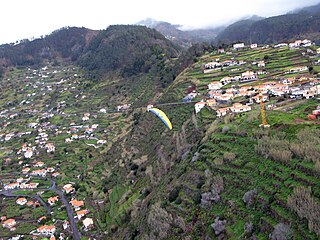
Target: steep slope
238, 31
132, 63
311, 9
273, 29
66, 43
128, 49
284, 28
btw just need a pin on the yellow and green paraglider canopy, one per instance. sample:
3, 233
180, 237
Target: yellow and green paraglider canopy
162, 116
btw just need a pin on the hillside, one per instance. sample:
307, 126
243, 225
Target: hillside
129, 49
78, 143
273, 29
238, 31
66, 43
224, 178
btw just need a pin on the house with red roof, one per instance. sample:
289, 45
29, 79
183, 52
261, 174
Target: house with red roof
9, 223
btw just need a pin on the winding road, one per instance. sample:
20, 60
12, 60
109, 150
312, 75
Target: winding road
53, 187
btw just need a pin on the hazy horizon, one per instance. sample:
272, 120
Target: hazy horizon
27, 19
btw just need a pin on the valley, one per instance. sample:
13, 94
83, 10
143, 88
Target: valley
81, 158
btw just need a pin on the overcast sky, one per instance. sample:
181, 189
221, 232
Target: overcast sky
20, 19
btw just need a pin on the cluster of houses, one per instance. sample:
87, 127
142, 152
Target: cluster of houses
41, 130
294, 87
218, 65
217, 95
293, 45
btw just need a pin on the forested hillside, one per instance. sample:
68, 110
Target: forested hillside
273, 29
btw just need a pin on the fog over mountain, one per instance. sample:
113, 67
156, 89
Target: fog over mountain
32, 18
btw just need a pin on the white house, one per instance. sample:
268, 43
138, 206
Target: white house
298, 69
212, 65
53, 200
28, 153
248, 75
280, 45
215, 85
238, 46
223, 111
87, 223
261, 64
68, 188
199, 105
46, 229
21, 201
239, 108
9, 223
253, 45
82, 213
11, 186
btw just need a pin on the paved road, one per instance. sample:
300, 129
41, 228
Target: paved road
53, 187
9, 193
73, 224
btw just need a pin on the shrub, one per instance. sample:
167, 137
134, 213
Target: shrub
174, 194
306, 206
281, 232
229, 156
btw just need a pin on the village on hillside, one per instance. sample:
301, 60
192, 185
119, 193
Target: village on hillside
246, 75
51, 129
41, 192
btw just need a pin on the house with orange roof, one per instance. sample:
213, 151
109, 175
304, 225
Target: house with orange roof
39, 164
21, 201
215, 85
11, 186
9, 223
223, 111
33, 204
239, 108
224, 98
46, 229
211, 102
41, 219
39, 172
199, 105
76, 204
214, 94
82, 213
55, 174
25, 170
53, 200
50, 169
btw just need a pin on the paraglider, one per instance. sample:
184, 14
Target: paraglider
162, 116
